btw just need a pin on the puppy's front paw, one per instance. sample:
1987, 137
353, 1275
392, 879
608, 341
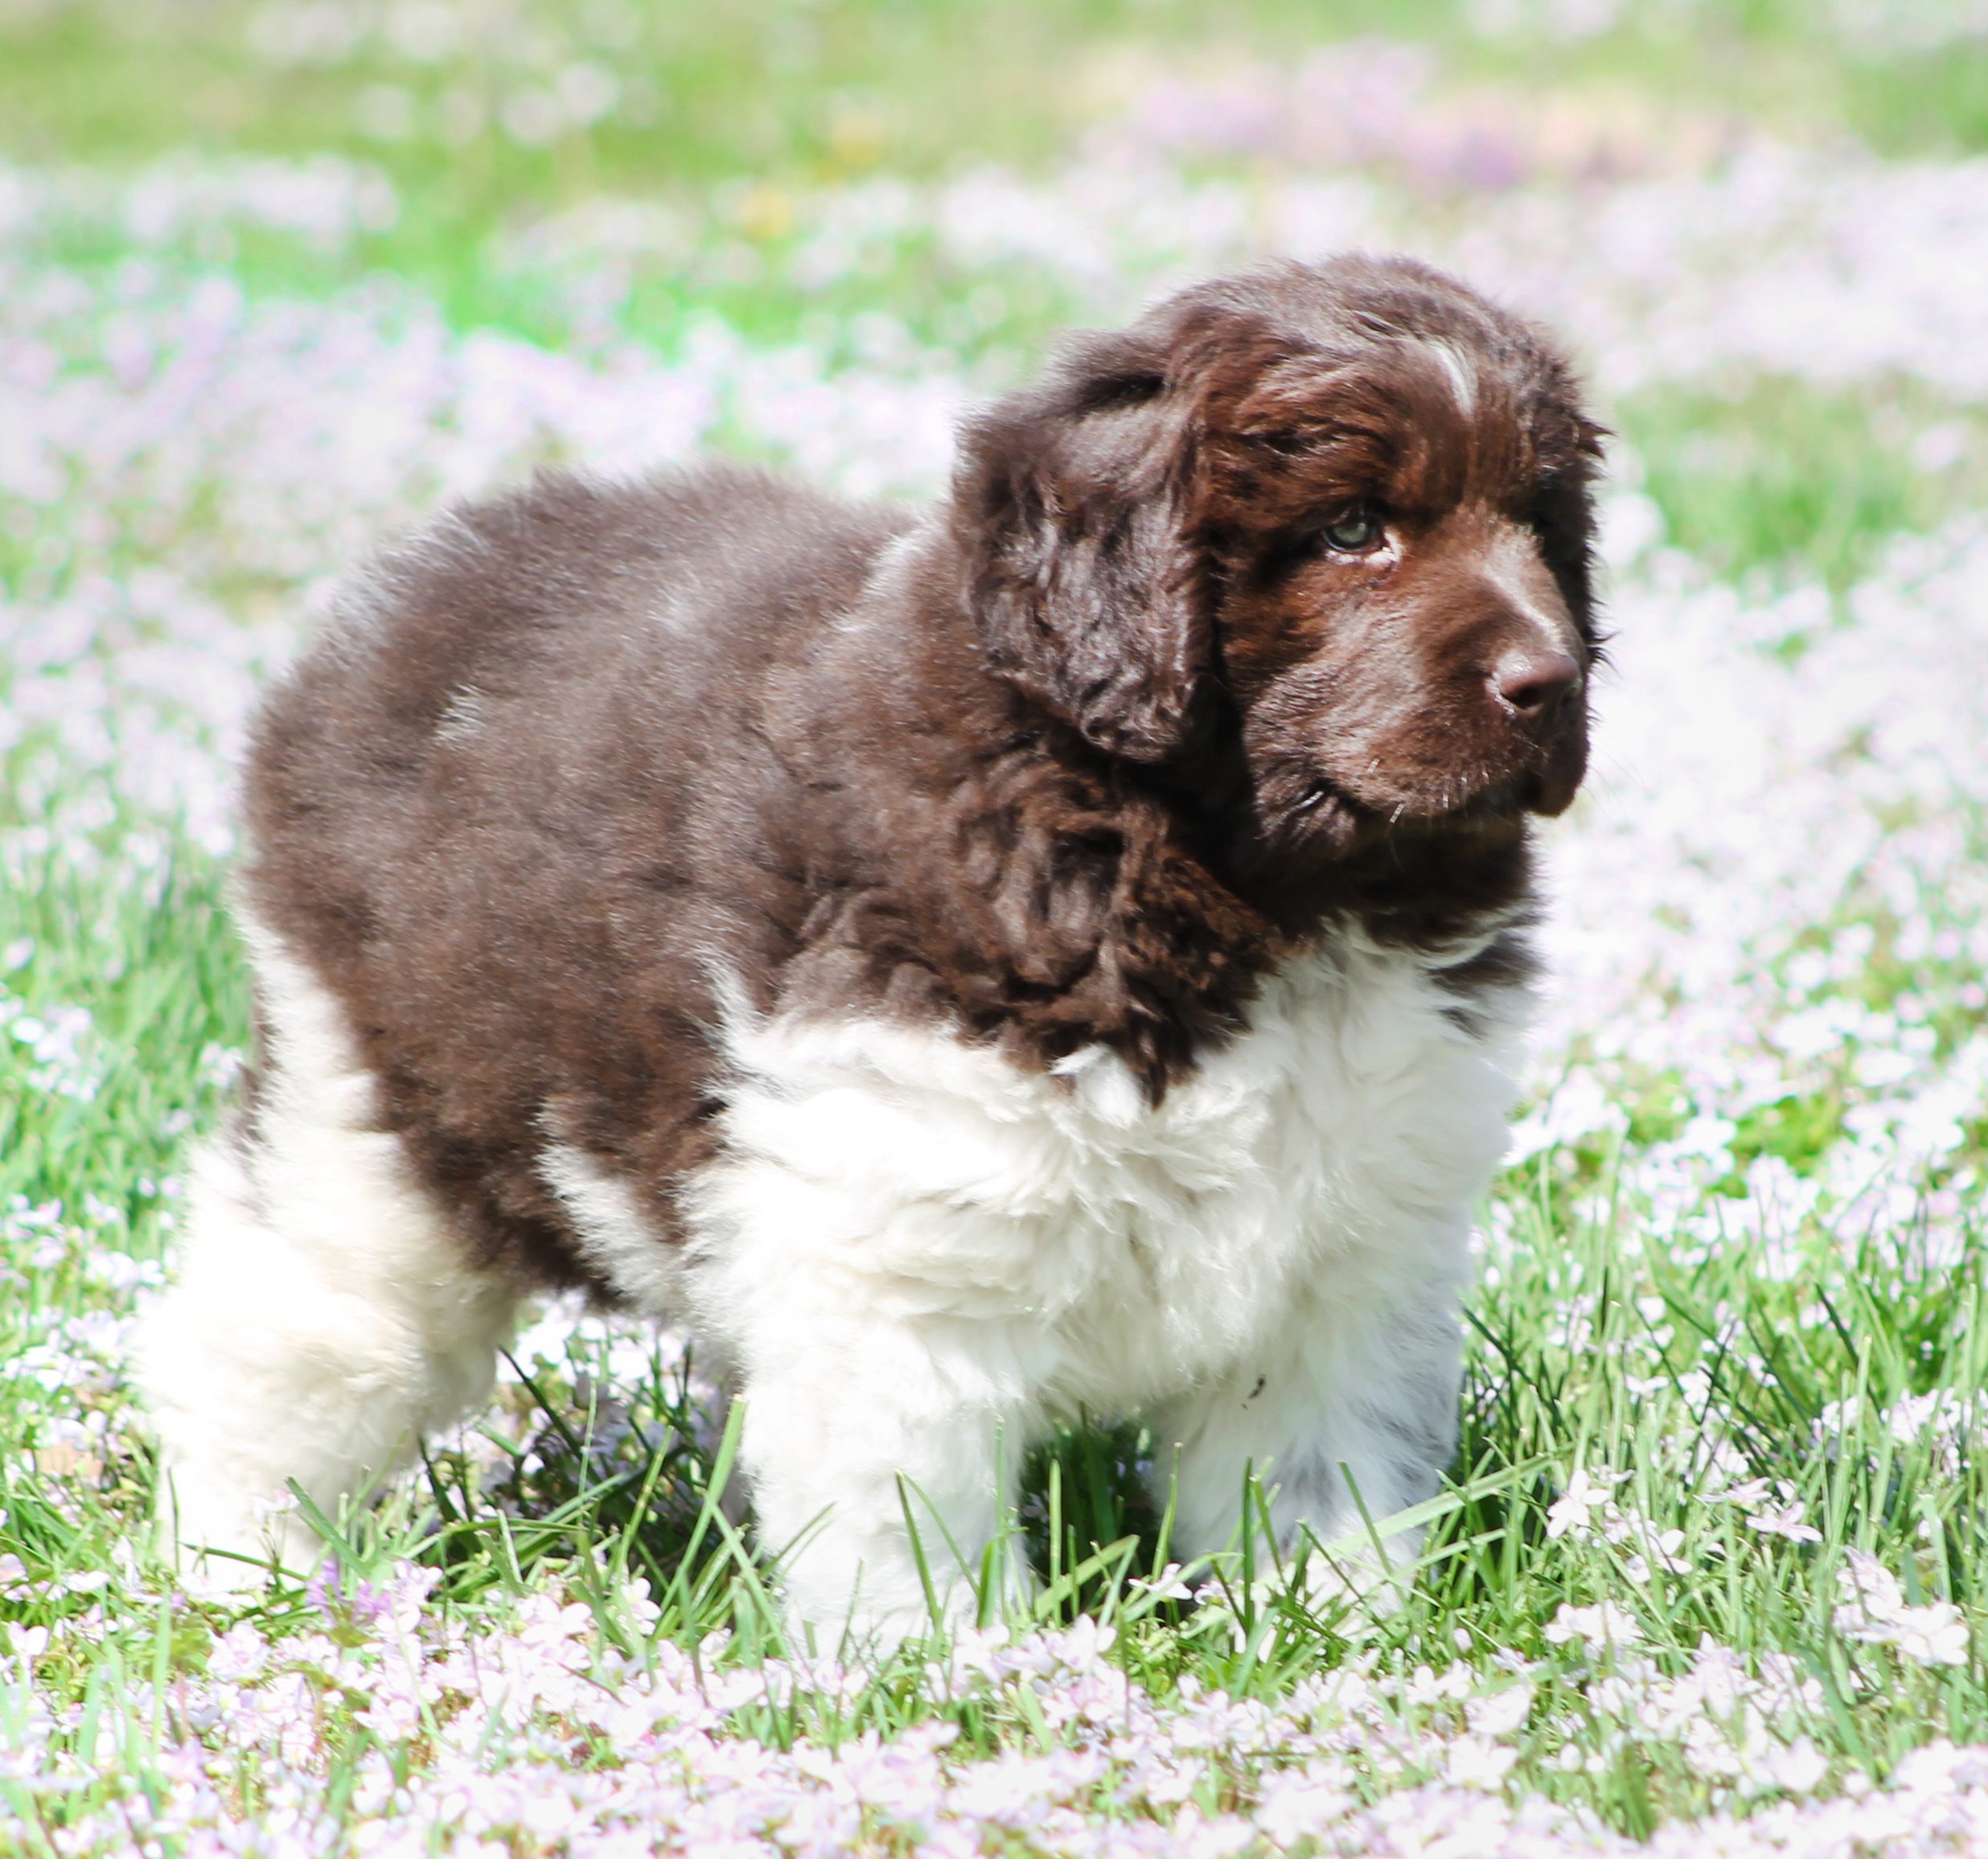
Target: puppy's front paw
226, 1543
1335, 1589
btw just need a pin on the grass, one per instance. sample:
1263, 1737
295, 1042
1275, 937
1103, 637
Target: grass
1668, 1411
1781, 479
796, 89
796, 92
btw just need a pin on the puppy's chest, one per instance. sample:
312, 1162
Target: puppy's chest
1354, 1118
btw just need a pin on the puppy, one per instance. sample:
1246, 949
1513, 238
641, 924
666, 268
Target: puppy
1059, 950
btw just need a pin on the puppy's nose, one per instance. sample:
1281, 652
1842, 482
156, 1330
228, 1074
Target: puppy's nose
1530, 681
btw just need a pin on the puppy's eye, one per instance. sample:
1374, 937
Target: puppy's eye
1354, 530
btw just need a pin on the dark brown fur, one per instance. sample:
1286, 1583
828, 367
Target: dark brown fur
1076, 765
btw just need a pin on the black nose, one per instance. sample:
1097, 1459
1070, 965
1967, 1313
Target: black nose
1530, 681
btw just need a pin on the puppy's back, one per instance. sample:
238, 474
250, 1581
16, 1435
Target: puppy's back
500, 627
497, 810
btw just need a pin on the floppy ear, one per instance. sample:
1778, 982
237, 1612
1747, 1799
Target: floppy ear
1070, 503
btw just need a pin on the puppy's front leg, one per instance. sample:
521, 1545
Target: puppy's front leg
854, 1419
1345, 1390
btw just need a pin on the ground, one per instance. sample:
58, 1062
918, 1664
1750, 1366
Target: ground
1709, 1571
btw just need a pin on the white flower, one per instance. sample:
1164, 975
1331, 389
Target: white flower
1746, 1496
1934, 1634
1296, 1807
1501, 1713
1475, 1762
1874, 1610
1799, 1769
239, 1653
1166, 1586
1790, 1520
1573, 1513
1868, 1588
1604, 1624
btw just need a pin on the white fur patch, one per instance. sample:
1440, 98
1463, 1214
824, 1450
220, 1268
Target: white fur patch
619, 1240
890, 566
463, 717
1461, 373
914, 1250
323, 1318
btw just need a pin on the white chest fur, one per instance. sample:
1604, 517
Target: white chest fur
1332, 1151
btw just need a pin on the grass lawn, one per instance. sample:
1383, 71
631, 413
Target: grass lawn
1708, 1572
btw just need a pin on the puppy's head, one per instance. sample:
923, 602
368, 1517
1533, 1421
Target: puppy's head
1337, 514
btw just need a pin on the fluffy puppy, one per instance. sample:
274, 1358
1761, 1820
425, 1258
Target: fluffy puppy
1060, 948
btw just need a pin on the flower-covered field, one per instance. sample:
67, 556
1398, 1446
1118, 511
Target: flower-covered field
1711, 1573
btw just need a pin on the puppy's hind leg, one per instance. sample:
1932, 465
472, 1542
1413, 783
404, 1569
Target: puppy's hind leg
323, 1318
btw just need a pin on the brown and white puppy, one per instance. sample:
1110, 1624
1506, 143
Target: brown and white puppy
1059, 950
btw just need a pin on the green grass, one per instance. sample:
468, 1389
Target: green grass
788, 92
804, 90
1611, 1333
1778, 478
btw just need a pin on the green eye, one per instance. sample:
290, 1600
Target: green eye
1353, 531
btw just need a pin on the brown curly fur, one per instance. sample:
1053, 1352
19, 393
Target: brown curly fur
1071, 762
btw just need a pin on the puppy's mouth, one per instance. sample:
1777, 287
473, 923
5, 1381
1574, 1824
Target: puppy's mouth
1331, 820
1346, 810
1534, 791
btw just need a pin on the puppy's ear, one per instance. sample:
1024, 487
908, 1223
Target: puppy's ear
1070, 503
